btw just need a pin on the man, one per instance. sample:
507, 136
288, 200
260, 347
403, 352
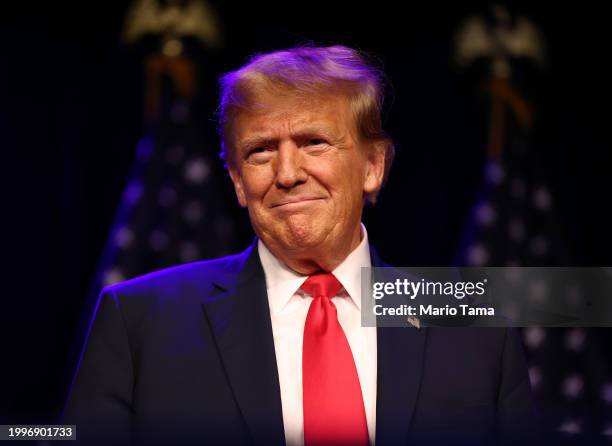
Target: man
266, 347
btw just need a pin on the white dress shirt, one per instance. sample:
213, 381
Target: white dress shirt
288, 309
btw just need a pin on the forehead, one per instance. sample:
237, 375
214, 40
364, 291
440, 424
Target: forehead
275, 115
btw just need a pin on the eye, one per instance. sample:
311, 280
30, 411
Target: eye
256, 150
316, 146
258, 155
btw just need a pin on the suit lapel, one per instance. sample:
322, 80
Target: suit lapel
400, 363
240, 320
239, 317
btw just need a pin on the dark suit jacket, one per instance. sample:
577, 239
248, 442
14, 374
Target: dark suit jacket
186, 356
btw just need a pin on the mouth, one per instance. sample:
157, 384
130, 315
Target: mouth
295, 202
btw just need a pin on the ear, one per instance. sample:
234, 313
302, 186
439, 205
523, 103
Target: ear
375, 168
238, 186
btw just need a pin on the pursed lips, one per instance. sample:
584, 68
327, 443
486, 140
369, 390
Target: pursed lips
295, 200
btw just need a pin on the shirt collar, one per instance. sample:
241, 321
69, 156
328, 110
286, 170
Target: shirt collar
282, 282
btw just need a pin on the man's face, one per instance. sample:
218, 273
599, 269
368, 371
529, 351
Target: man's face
302, 172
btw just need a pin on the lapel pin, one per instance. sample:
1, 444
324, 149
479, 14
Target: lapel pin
414, 322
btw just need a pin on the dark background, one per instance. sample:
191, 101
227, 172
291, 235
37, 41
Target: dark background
71, 106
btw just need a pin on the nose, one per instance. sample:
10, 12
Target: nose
289, 168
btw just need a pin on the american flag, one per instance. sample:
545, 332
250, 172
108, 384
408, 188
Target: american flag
173, 209
178, 205
514, 222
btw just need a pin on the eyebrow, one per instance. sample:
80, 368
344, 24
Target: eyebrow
316, 130
255, 142
304, 132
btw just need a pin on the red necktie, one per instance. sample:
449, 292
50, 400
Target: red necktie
333, 404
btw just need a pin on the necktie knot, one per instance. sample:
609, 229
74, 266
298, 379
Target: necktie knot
322, 285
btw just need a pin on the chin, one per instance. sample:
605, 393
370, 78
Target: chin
302, 233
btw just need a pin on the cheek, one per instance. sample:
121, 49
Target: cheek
256, 182
344, 179
348, 193
353, 179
